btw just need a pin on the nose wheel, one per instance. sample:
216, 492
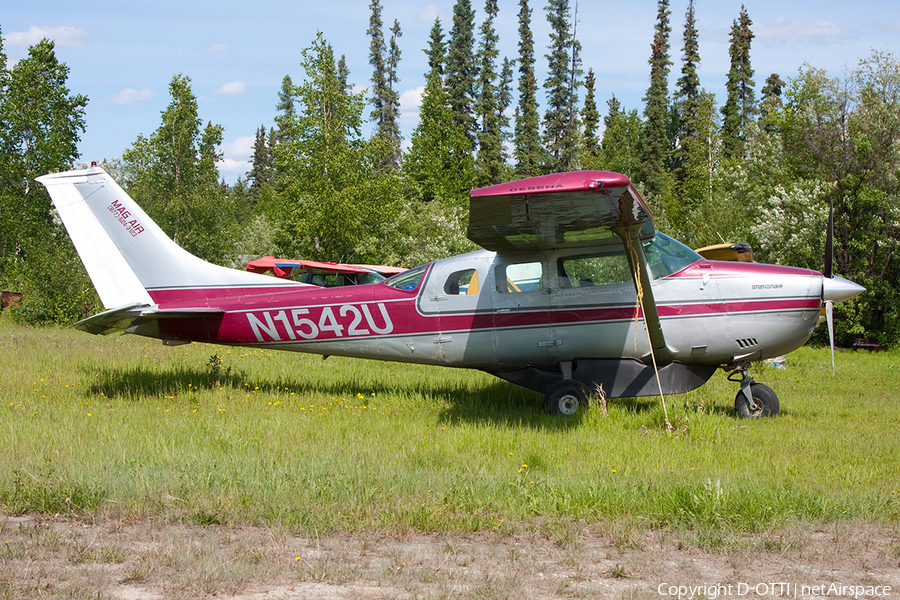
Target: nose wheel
754, 400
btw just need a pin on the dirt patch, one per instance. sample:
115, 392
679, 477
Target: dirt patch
66, 558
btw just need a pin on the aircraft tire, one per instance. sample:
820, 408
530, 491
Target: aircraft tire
764, 397
565, 398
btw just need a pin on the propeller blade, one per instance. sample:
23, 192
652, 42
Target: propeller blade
829, 316
829, 244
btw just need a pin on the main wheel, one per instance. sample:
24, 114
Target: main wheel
765, 402
565, 397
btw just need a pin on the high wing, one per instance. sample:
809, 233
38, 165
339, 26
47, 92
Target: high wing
562, 210
581, 209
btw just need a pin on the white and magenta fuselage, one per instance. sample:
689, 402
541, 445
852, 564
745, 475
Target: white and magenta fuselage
713, 314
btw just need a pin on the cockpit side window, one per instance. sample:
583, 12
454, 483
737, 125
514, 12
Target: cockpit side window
462, 283
519, 277
593, 270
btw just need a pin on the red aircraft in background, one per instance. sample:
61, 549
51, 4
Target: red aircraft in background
325, 274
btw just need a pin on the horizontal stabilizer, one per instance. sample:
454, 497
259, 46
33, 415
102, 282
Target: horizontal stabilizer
147, 318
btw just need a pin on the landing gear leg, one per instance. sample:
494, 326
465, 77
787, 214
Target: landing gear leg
754, 400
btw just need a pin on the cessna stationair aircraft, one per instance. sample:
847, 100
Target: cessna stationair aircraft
573, 290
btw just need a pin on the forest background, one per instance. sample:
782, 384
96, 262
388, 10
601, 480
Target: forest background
761, 167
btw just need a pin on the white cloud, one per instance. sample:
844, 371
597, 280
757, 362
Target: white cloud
231, 169
130, 96
239, 148
429, 13
410, 101
232, 88
782, 30
62, 36
236, 156
218, 48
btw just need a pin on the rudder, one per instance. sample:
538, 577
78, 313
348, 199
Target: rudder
126, 254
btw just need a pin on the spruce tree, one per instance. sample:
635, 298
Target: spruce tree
262, 165
771, 101
488, 102
286, 98
529, 153
655, 143
614, 107
285, 106
685, 102
573, 128
590, 116
740, 108
439, 160
687, 90
385, 99
505, 98
461, 69
436, 49
344, 73
391, 130
376, 59
561, 121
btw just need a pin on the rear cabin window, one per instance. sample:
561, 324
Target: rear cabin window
519, 277
462, 283
590, 271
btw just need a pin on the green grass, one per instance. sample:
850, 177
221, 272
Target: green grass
123, 426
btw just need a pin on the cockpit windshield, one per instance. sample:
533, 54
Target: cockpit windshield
408, 280
667, 255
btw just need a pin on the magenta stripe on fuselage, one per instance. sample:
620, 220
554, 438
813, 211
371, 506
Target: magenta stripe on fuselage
308, 313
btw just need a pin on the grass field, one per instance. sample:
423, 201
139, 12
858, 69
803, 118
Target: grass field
123, 427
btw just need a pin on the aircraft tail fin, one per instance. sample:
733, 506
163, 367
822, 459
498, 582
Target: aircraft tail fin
127, 256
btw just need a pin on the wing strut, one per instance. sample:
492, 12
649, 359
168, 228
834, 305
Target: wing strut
641, 274
659, 350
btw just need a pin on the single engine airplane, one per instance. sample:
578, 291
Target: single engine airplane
573, 289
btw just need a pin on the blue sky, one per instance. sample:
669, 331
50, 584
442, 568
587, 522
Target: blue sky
123, 54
